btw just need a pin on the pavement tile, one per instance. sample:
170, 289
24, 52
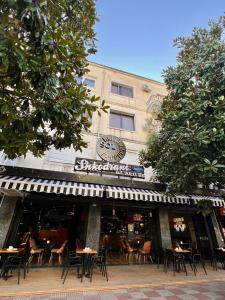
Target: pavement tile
138, 295
201, 296
201, 289
176, 291
165, 293
187, 297
74, 297
157, 298
108, 296
91, 297
152, 294
123, 296
172, 298
134, 290
191, 292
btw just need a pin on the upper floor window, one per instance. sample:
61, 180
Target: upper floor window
121, 121
122, 90
87, 81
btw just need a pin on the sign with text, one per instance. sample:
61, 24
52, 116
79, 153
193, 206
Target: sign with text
179, 224
111, 148
98, 166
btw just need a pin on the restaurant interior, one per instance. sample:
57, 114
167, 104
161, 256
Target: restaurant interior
126, 232
50, 227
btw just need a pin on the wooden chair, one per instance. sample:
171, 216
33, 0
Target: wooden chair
145, 252
129, 251
35, 251
58, 252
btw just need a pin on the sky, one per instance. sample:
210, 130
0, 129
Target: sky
137, 36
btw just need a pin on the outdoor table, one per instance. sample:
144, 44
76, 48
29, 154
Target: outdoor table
11, 251
179, 256
85, 255
182, 251
5, 252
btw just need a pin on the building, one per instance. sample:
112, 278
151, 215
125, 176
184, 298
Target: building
101, 204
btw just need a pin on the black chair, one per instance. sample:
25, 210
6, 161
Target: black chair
160, 257
100, 262
220, 256
16, 261
195, 258
72, 261
177, 259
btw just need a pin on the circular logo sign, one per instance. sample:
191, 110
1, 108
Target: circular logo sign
111, 148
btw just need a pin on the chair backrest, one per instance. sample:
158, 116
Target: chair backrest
33, 244
61, 249
127, 245
78, 244
147, 246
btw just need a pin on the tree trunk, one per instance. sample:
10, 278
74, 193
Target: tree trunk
210, 242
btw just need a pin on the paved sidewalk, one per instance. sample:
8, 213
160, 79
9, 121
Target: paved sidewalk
211, 290
125, 282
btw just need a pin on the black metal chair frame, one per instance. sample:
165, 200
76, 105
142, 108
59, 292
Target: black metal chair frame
99, 261
177, 260
72, 260
196, 258
16, 261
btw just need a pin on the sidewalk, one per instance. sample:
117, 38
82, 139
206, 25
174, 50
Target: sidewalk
47, 281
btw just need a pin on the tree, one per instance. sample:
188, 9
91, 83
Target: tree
205, 208
190, 147
44, 46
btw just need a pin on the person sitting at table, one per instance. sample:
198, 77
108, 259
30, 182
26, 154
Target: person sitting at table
176, 246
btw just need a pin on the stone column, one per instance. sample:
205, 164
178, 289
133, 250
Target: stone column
218, 236
7, 210
93, 228
164, 228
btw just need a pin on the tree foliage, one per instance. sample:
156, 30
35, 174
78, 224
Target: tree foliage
190, 148
44, 46
205, 207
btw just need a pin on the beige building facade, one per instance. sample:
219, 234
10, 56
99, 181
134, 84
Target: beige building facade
133, 101
46, 196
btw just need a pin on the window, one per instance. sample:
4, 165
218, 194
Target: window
122, 90
121, 121
87, 81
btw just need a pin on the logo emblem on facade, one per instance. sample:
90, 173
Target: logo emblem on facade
111, 148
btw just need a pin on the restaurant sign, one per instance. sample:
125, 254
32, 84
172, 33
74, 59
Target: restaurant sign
103, 167
179, 224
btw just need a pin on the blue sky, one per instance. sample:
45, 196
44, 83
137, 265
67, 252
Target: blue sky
137, 36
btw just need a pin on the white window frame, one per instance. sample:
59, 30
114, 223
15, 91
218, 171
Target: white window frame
123, 86
122, 114
82, 80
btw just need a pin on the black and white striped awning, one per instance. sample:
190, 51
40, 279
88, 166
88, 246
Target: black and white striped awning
50, 186
218, 202
153, 196
15, 183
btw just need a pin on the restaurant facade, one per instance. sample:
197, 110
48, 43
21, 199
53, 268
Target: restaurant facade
102, 197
